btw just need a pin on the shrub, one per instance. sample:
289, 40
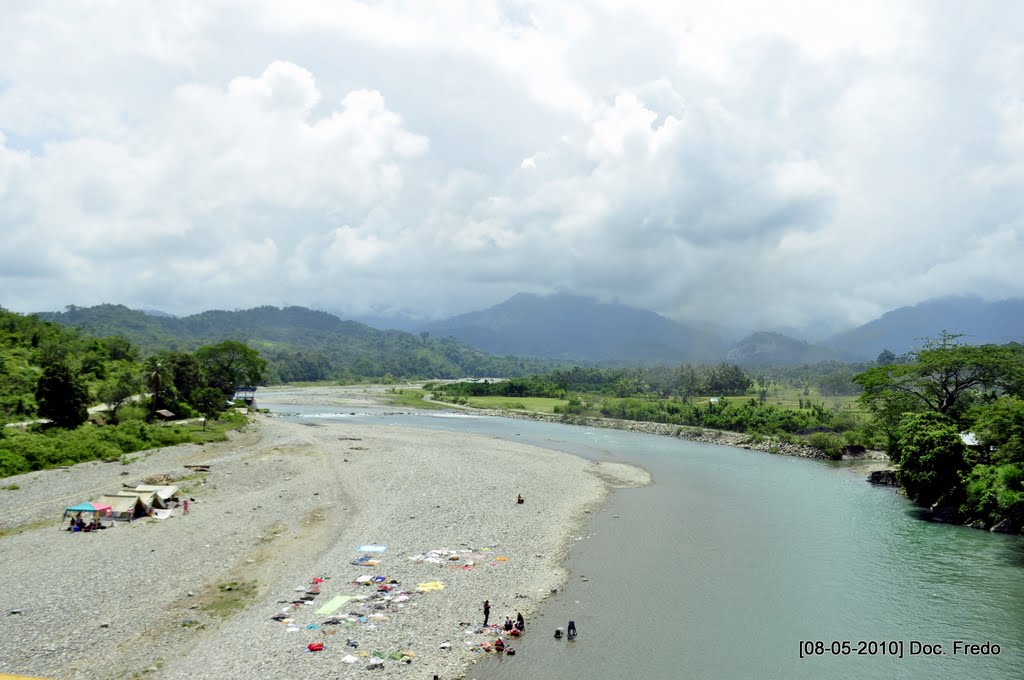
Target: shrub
829, 444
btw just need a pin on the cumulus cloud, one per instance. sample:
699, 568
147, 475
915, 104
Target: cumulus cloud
785, 164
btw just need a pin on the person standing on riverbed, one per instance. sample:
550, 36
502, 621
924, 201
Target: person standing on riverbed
487, 610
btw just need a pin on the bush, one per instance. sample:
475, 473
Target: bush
22, 452
828, 443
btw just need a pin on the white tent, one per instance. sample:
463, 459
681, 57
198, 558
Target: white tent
164, 493
125, 507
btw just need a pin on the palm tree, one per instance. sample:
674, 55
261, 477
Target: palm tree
158, 376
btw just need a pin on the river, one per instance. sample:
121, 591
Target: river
734, 564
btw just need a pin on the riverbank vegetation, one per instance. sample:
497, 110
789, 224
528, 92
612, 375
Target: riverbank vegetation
950, 416
953, 421
722, 397
66, 397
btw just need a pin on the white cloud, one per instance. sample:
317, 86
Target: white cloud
782, 163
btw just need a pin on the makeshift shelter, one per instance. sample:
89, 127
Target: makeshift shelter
166, 494
125, 507
98, 509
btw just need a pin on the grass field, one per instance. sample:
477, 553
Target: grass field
535, 404
791, 397
412, 398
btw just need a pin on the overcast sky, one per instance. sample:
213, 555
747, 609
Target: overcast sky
760, 163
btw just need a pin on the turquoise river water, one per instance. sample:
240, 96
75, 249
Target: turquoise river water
735, 564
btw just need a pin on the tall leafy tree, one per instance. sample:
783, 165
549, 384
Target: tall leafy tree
999, 425
933, 460
62, 396
230, 364
116, 390
943, 378
121, 349
209, 401
187, 375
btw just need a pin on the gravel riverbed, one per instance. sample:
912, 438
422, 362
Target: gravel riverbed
194, 596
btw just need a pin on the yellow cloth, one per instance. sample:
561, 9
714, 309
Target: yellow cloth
430, 585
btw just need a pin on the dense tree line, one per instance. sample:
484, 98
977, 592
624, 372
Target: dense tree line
684, 381
749, 416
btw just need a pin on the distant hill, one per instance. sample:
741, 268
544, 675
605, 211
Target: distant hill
157, 312
903, 329
776, 349
300, 344
572, 327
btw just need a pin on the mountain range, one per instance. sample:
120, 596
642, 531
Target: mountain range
572, 327
564, 326
531, 332
904, 329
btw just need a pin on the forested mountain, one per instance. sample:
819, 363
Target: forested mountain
300, 344
572, 327
903, 329
775, 349
303, 344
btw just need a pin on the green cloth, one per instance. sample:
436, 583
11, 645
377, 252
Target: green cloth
333, 605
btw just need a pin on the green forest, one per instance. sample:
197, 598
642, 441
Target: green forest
302, 345
76, 397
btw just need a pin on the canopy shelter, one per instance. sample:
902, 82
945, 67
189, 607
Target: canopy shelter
95, 508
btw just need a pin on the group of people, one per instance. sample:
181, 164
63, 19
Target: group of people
569, 633
79, 524
514, 628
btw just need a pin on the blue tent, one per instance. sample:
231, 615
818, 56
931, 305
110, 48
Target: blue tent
97, 508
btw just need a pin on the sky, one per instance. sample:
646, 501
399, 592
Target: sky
784, 163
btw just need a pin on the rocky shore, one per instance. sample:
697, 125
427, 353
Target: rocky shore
697, 434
